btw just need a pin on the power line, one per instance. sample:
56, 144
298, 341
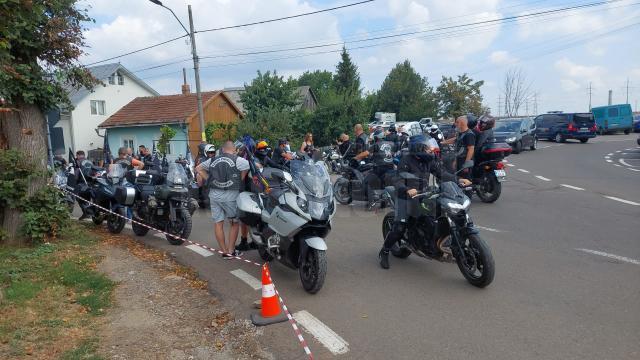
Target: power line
137, 51
286, 17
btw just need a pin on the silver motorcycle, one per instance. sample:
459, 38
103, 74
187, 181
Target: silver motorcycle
290, 220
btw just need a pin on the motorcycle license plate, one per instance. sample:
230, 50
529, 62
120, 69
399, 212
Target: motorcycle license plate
500, 174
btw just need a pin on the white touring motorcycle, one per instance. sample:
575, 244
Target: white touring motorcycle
290, 222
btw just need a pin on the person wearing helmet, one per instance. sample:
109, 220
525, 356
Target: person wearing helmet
414, 170
485, 128
262, 154
225, 175
392, 136
435, 133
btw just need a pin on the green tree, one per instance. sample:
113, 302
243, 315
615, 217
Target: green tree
40, 43
459, 97
166, 134
268, 92
320, 81
406, 93
347, 79
271, 124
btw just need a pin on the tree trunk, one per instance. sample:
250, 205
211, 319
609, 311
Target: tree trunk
24, 130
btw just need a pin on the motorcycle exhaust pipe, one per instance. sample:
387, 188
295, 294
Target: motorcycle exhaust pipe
440, 243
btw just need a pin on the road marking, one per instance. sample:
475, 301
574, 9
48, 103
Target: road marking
505, 160
247, 278
624, 162
488, 229
523, 170
202, 251
633, 169
510, 165
609, 161
622, 200
572, 187
619, 151
609, 154
617, 165
612, 256
543, 178
322, 333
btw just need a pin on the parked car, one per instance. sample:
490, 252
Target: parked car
520, 133
610, 119
636, 123
559, 126
448, 128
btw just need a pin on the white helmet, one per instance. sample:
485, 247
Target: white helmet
434, 127
209, 148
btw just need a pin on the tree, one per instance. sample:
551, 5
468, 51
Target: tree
320, 81
459, 97
166, 134
516, 91
269, 91
40, 43
347, 80
406, 93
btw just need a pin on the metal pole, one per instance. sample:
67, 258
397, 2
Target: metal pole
49, 150
589, 96
627, 90
196, 69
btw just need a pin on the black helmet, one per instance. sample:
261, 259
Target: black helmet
417, 143
472, 121
392, 128
378, 134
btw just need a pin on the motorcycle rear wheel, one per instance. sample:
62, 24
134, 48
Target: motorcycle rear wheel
478, 266
489, 189
116, 223
341, 191
139, 230
181, 228
97, 219
313, 270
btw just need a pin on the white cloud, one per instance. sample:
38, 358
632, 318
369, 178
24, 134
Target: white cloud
502, 57
571, 69
569, 85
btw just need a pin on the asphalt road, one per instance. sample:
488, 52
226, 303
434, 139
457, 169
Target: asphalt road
564, 235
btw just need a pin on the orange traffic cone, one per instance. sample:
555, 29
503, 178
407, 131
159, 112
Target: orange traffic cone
270, 312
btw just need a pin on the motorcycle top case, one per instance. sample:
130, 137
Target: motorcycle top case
496, 151
249, 211
125, 195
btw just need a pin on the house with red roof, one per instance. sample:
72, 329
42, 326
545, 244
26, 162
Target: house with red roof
139, 122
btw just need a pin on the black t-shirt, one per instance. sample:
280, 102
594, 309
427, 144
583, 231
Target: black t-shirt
361, 143
465, 139
344, 147
277, 156
382, 153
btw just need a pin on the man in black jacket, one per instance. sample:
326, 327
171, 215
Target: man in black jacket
414, 171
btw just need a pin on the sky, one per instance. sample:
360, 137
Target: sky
561, 53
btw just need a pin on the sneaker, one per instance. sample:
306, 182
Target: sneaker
243, 246
384, 258
237, 253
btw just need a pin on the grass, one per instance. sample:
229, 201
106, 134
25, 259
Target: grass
51, 298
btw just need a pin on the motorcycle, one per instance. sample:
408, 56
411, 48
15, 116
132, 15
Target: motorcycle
108, 190
443, 217
162, 201
356, 183
333, 160
290, 221
194, 189
64, 179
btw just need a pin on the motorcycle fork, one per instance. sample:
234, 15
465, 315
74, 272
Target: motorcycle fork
172, 211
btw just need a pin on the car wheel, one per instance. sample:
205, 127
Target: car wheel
584, 140
517, 147
559, 138
626, 132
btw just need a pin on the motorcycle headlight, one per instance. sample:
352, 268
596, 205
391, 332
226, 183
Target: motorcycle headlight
456, 207
511, 139
302, 204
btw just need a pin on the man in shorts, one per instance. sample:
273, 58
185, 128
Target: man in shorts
225, 175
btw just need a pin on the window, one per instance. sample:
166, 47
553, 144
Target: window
97, 107
112, 80
128, 143
613, 112
120, 79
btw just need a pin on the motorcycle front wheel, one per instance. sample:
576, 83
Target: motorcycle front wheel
138, 229
115, 223
397, 250
181, 227
489, 189
477, 265
341, 191
313, 270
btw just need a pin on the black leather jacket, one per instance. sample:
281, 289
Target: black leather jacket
413, 173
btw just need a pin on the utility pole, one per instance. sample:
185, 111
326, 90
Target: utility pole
535, 103
526, 106
196, 69
627, 91
590, 96
499, 104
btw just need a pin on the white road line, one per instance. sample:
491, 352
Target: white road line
612, 256
202, 251
511, 165
619, 151
624, 162
607, 157
247, 278
618, 165
622, 200
523, 170
633, 169
322, 333
572, 187
609, 154
609, 161
488, 229
543, 178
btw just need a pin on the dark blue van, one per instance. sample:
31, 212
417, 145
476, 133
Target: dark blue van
559, 126
612, 118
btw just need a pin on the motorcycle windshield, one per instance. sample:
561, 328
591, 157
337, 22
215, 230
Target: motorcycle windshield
115, 171
451, 190
312, 177
176, 176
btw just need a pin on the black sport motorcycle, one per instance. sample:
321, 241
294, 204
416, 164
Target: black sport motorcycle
108, 190
360, 184
442, 217
162, 201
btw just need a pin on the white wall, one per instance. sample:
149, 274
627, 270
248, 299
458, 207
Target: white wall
115, 97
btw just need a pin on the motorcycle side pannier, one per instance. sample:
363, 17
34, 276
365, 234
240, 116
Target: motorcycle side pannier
125, 195
496, 151
249, 211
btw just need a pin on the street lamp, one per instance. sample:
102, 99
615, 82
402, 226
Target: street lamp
196, 62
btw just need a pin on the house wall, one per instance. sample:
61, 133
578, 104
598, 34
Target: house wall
217, 110
83, 135
146, 135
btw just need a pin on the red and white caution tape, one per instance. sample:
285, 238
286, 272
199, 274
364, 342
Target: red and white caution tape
292, 321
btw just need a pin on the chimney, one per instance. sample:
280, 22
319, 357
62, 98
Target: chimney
610, 97
186, 90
